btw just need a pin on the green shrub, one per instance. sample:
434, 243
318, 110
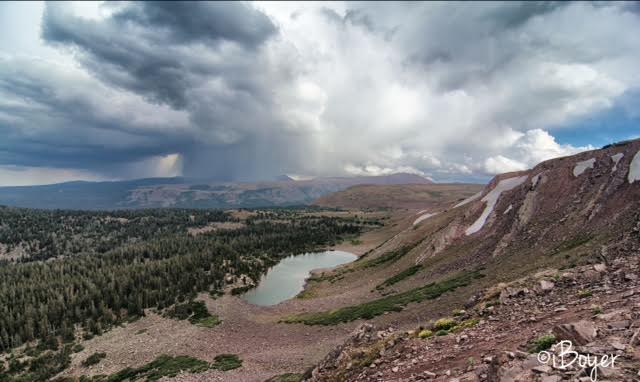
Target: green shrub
188, 310
465, 324
166, 366
400, 276
226, 362
444, 324
163, 366
214, 294
585, 294
425, 333
93, 359
209, 322
442, 332
392, 303
77, 348
388, 257
241, 290
196, 312
542, 343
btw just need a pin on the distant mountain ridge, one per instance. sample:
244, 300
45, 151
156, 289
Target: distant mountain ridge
187, 192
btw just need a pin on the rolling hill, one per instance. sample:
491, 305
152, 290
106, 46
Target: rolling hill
409, 196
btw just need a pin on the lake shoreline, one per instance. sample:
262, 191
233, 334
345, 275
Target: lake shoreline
288, 278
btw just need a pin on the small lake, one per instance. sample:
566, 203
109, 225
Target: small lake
287, 278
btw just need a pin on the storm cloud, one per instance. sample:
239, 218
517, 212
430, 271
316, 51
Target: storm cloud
245, 91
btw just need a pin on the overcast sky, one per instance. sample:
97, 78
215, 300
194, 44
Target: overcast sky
244, 91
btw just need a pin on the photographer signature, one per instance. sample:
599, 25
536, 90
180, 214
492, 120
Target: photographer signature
566, 357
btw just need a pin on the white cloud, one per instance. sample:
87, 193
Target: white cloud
472, 100
373, 170
527, 151
499, 164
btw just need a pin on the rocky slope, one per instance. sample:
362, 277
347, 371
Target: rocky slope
557, 245
409, 196
595, 307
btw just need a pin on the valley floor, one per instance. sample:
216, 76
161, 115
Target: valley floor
266, 346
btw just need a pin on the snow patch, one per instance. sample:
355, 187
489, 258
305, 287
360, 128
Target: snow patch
508, 209
634, 168
534, 180
583, 166
468, 200
616, 158
492, 198
424, 217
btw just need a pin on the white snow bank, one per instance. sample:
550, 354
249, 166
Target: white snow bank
634, 168
508, 209
534, 180
468, 200
616, 158
421, 212
583, 166
424, 217
492, 198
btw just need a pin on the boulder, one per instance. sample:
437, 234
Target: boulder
546, 285
579, 333
510, 292
600, 267
619, 325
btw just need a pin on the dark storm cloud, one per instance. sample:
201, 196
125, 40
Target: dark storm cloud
202, 59
53, 124
152, 47
195, 20
514, 14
